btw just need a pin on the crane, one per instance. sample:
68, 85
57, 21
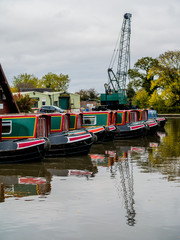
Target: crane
115, 90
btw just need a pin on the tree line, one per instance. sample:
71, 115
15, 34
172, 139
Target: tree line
156, 82
153, 82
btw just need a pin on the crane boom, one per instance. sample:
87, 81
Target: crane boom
115, 89
124, 51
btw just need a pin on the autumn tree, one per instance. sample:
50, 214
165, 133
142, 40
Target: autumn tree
167, 77
25, 81
141, 99
55, 82
140, 74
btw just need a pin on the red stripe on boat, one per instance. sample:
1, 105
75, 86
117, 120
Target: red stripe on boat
137, 127
74, 139
161, 119
112, 128
96, 130
30, 143
152, 124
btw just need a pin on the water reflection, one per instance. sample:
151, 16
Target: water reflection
157, 153
22, 180
75, 166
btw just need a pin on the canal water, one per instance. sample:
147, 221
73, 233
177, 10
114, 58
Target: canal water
121, 190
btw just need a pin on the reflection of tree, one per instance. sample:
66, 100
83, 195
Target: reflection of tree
165, 157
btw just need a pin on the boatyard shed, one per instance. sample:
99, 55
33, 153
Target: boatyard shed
64, 100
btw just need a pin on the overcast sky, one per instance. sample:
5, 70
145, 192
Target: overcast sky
77, 37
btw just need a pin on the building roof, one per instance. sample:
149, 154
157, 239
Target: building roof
10, 105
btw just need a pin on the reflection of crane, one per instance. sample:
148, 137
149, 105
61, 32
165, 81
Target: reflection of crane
126, 185
115, 89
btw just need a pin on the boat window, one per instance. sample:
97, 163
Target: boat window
6, 127
89, 120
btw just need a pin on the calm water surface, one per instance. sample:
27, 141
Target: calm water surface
122, 190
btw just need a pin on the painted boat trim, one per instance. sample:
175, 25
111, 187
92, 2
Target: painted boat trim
78, 138
137, 127
28, 144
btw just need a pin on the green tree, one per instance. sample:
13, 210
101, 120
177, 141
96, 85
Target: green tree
167, 77
25, 81
130, 91
139, 74
55, 82
24, 102
156, 101
90, 94
141, 99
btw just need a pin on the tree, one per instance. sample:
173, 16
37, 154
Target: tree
90, 94
24, 102
139, 74
167, 77
141, 99
130, 91
25, 81
55, 82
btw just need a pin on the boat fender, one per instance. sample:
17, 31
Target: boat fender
158, 123
147, 127
94, 138
47, 144
118, 130
106, 129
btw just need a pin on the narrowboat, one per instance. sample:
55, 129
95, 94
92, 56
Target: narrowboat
21, 150
53, 126
152, 124
152, 114
65, 142
101, 124
128, 126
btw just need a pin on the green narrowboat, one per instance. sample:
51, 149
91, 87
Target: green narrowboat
17, 147
103, 120
128, 126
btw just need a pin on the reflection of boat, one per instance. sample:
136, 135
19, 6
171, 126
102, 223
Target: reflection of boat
24, 180
71, 166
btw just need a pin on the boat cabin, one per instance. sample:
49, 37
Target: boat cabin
59, 122
101, 118
18, 126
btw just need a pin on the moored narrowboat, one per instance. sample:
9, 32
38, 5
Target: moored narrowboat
152, 124
152, 114
22, 150
128, 126
66, 142
101, 124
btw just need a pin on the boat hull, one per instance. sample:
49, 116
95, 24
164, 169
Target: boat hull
23, 151
130, 131
68, 144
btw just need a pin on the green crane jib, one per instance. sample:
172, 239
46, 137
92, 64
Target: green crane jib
115, 90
